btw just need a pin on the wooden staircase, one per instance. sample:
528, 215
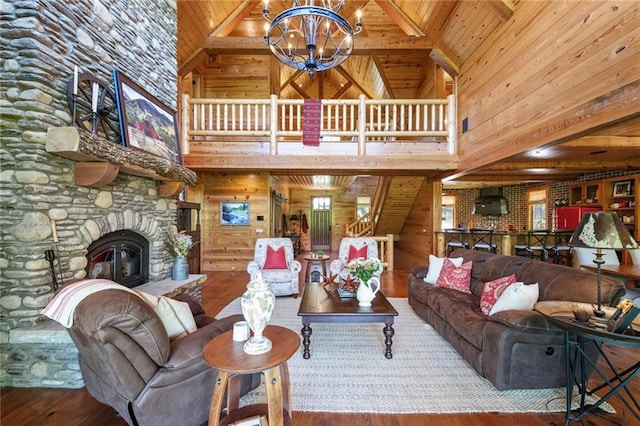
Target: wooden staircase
390, 208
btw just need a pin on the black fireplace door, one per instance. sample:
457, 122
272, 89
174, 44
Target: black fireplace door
121, 256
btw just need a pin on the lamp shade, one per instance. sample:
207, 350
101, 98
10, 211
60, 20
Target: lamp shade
602, 230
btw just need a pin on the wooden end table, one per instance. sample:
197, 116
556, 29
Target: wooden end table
228, 357
317, 305
577, 359
314, 260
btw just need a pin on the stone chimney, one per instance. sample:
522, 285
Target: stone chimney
42, 42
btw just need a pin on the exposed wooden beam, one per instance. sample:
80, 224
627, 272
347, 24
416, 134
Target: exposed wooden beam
504, 8
605, 142
401, 19
555, 165
348, 76
343, 89
385, 80
348, 164
197, 58
444, 62
362, 45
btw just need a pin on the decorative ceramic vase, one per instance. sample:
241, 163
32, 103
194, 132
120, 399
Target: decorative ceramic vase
180, 269
257, 306
365, 293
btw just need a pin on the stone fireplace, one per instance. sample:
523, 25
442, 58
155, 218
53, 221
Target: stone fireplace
43, 210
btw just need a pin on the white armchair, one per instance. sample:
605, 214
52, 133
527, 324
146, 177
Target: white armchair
273, 258
351, 248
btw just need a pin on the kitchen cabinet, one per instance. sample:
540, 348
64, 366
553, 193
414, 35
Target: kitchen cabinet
621, 196
586, 193
568, 218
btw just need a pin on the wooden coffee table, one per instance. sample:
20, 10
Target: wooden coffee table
318, 305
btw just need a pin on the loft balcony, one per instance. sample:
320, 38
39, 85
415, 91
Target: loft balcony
361, 134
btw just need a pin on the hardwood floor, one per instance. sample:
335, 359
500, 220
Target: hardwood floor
38, 406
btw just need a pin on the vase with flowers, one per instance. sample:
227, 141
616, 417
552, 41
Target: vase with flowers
364, 270
179, 244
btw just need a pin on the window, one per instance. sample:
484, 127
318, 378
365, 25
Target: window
363, 206
537, 208
449, 203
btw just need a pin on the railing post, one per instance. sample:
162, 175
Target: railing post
453, 124
273, 126
186, 124
362, 125
390, 244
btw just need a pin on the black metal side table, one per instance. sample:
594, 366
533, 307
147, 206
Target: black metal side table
577, 359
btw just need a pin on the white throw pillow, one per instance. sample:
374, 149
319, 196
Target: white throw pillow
435, 266
517, 296
174, 314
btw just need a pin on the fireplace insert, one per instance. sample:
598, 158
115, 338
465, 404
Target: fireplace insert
121, 256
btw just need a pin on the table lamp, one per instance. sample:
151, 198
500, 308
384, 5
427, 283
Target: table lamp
602, 230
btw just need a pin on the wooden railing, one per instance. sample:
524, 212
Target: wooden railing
385, 250
355, 123
361, 227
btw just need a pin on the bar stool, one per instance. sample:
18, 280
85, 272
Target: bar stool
537, 246
483, 239
455, 239
561, 250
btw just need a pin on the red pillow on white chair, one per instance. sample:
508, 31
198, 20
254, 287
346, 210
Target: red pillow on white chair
276, 259
355, 253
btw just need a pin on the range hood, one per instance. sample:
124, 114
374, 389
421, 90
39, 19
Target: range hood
491, 203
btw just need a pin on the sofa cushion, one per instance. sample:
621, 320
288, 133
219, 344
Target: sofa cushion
460, 310
478, 258
457, 278
493, 290
276, 258
435, 267
517, 296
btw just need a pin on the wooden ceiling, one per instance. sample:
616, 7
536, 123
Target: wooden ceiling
391, 59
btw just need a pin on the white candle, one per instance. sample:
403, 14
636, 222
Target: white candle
94, 98
75, 80
54, 231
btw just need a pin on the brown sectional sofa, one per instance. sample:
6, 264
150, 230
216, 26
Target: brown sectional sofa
514, 349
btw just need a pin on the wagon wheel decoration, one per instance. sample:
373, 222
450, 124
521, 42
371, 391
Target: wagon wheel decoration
107, 120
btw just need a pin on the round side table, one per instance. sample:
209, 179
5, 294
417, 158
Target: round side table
315, 260
228, 357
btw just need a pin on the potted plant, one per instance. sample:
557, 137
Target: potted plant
319, 253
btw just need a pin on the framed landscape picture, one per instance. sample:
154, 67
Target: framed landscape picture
234, 213
146, 123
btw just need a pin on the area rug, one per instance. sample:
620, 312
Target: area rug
347, 371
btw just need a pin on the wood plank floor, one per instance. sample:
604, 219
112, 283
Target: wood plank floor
37, 406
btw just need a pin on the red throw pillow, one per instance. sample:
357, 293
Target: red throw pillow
493, 290
276, 259
455, 278
354, 253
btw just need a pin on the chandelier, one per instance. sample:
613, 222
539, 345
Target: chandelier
309, 37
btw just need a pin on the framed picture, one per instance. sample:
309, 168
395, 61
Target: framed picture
234, 213
622, 188
145, 122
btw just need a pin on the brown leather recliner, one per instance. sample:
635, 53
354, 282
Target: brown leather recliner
128, 362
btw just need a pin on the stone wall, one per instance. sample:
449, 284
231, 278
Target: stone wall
41, 42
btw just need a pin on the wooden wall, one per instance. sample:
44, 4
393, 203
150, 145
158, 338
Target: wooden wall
416, 240
230, 247
554, 70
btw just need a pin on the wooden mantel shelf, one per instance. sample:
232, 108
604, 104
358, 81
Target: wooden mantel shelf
99, 161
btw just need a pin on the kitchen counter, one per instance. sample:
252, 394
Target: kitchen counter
505, 240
